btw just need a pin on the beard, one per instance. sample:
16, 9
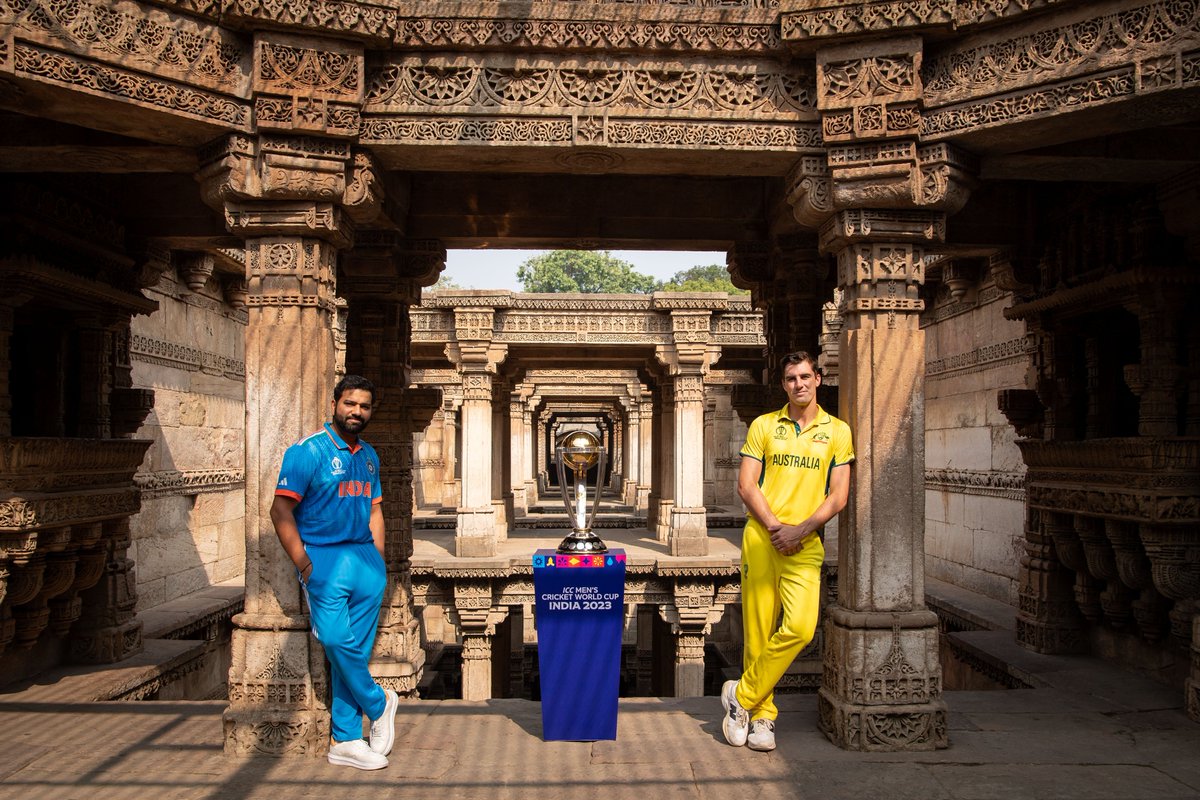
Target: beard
349, 425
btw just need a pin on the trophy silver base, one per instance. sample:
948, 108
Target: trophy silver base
582, 543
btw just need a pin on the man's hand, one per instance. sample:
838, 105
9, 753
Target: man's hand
790, 539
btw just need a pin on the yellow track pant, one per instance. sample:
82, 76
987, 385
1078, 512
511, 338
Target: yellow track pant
772, 583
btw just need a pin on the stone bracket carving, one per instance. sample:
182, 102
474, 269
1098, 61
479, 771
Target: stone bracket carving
308, 85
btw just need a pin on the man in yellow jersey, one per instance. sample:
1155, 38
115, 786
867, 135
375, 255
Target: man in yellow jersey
795, 475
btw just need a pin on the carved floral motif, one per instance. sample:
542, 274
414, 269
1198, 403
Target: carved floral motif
422, 84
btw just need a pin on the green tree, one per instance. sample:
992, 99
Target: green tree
710, 278
582, 271
444, 282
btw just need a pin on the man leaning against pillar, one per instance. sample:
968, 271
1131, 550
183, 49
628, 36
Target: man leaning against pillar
328, 515
794, 477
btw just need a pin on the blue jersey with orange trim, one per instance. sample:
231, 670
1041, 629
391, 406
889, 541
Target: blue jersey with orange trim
336, 485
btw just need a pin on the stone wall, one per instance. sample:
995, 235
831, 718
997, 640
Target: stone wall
190, 532
974, 500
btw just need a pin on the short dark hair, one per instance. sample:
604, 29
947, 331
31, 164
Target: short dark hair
798, 357
350, 383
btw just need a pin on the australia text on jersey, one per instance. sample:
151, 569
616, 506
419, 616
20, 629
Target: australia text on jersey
796, 462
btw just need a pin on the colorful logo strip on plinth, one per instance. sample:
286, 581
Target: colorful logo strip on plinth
574, 561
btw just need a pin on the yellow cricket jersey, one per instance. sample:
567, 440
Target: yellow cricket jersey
796, 463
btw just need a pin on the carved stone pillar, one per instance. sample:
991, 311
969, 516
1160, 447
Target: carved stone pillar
501, 467
882, 685
632, 449
381, 279
662, 492
691, 616
646, 456
477, 620
1157, 379
285, 197
881, 204
94, 341
451, 486
476, 359
518, 451
687, 361
529, 470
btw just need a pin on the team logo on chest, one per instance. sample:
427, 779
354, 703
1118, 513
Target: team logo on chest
820, 438
370, 468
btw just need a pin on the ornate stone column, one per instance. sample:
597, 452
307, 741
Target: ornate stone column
501, 465
882, 685
691, 615
646, 454
687, 361
284, 196
477, 619
662, 491
518, 450
532, 445
883, 202
476, 359
632, 449
451, 485
381, 279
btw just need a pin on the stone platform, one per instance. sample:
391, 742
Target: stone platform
1091, 732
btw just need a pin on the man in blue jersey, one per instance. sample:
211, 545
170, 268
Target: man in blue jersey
328, 515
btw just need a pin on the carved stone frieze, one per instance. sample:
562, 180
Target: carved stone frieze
1138, 34
848, 19
987, 483
130, 34
702, 88
752, 30
125, 85
1091, 60
190, 482
985, 357
181, 356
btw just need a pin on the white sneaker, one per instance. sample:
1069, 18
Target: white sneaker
383, 730
736, 724
356, 753
762, 735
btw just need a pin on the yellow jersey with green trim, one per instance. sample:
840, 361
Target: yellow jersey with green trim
796, 462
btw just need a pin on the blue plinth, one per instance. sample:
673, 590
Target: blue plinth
579, 606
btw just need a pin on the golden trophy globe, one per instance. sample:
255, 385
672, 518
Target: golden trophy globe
578, 451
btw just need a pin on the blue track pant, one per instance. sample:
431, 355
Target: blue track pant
344, 592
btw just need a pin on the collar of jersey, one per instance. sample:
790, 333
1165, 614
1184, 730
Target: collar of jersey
822, 417
337, 440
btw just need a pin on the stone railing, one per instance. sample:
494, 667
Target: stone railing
690, 595
64, 534
1122, 515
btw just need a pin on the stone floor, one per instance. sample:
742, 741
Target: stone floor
1088, 730
1091, 731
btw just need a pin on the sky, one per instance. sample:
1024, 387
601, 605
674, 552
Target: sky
497, 269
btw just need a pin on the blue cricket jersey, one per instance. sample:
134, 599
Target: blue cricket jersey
336, 485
